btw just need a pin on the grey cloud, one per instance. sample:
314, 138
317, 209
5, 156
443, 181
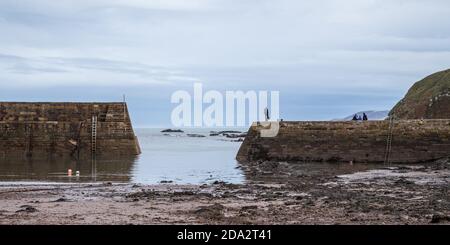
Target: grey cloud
325, 47
46, 65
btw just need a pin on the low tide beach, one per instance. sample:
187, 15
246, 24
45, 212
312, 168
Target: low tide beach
272, 193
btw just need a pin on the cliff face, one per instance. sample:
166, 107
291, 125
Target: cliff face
427, 99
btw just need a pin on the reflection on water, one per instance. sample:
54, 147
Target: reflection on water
55, 169
174, 157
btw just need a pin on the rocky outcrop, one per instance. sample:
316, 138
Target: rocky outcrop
427, 99
172, 131
196, 135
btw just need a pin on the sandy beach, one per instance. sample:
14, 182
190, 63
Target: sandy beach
275, 193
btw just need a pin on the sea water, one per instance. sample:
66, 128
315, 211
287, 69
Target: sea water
172, 157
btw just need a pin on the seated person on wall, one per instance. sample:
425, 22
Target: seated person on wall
365, 118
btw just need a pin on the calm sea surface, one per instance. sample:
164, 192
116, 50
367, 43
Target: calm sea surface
174, 157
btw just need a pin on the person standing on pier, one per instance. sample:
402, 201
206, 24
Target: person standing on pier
266, 114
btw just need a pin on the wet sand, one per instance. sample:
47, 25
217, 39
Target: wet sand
275, 193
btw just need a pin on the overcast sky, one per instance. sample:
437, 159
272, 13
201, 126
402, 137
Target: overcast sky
328, 58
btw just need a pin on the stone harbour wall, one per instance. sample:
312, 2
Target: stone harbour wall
413, 141
65, 128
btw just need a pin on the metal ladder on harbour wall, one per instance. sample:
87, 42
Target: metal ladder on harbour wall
94, 135
28, 139
387, 156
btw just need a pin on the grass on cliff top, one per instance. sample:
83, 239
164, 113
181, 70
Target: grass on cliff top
430, 86
419, 95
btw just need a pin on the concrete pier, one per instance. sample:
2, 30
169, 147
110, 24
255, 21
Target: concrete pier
413, 141
66, 128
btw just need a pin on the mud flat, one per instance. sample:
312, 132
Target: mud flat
275, 193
